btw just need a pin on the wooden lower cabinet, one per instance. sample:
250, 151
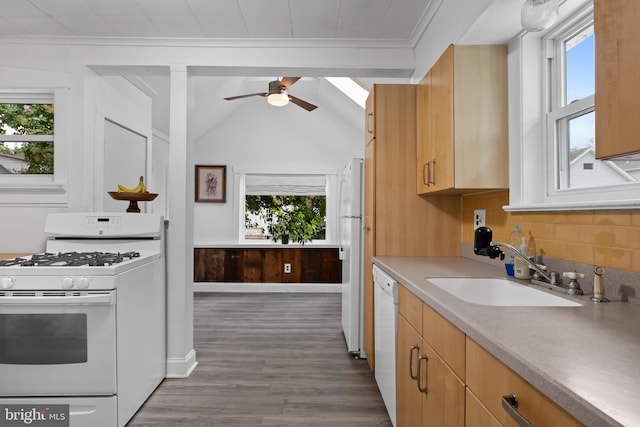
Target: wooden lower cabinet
455, 395
490, 380
476, 414
443, 402
408, 397
437, 399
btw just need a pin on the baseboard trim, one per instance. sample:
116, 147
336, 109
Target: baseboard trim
267, 287
181, 367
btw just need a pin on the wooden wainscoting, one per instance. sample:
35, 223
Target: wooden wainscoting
266, 265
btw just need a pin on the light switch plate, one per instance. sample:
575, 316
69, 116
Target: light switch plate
479, 218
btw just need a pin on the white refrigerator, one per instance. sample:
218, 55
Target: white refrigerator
351, 253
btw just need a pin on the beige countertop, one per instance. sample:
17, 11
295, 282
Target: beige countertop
586, 359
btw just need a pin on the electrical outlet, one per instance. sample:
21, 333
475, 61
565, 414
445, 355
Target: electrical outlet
287, 268
479, 218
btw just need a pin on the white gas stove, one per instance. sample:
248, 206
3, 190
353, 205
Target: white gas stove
88, 314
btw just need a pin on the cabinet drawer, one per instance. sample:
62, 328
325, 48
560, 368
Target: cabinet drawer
490, 380
445, 338
410, 306
476, 414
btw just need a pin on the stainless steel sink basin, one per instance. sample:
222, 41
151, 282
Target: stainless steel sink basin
498, 292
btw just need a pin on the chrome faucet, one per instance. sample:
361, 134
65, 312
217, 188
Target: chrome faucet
483, 245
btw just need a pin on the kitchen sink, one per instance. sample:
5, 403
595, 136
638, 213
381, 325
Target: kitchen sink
498, 292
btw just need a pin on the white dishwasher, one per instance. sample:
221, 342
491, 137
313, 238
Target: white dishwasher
385, 326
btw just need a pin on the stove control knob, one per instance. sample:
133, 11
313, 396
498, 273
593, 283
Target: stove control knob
7, 283
83, 282
67, 283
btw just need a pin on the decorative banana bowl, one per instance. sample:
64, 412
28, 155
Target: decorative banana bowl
133, 198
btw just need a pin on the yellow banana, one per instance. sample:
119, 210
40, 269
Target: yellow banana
140, 188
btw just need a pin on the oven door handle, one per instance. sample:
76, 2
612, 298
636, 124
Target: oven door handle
101, 299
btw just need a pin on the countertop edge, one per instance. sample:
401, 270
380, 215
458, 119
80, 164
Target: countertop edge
445, 305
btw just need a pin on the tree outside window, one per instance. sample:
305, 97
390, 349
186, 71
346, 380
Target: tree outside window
26, 137
299, 218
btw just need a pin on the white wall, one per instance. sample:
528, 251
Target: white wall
123, 135
259, 137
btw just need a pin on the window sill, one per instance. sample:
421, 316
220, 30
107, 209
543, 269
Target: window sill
33, 194
574, 206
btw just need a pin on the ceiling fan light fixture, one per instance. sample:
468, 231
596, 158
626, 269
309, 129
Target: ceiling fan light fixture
538, 15
278, 99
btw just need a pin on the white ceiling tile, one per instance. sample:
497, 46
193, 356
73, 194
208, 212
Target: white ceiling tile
220, 19
114, 7
164, 7
41, 25
217, 8
10, 8
132, 26
358, 28
223, 27
89, 26
177, 26
9, 27
366, 8
314, 8
264, 8
403, 19
308, 27
269, 26
63, 7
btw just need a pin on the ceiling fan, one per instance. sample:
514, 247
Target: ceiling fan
278, 94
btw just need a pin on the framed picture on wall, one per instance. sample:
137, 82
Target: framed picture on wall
211, 183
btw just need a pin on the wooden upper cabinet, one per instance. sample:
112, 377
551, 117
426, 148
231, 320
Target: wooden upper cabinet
617, 85
370, 122
462, 120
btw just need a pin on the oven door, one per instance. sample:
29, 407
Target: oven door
57, 343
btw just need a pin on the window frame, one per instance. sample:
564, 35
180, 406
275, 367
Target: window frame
331, 203
39, 189
533, 136
29, 98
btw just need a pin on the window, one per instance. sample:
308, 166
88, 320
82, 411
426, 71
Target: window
26, 134
34, 145
278, 205
552, 122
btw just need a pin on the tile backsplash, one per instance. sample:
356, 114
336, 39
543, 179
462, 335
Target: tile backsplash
598, 237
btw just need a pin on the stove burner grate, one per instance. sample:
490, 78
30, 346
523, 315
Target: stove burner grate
71, 259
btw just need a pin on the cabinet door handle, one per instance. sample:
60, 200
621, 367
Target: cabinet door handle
369, 123
424, 176
432, 172
422, 357
411, 349
510, 404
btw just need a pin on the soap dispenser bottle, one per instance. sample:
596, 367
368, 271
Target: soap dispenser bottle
515, 240
520, 266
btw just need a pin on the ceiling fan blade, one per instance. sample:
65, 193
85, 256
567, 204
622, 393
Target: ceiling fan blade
231, 98
300, 103
286, 82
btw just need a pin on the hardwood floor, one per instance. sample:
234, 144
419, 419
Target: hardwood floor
268, 360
